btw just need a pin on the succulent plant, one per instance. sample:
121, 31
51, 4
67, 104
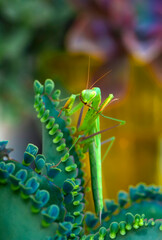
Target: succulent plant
46, 202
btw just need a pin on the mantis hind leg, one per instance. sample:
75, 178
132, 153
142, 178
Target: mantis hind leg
89, 140
111, 141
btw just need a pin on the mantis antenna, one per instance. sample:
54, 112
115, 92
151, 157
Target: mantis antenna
89, 61
81, 111
100, 78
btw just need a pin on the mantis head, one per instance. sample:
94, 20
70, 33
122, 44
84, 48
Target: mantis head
90, 94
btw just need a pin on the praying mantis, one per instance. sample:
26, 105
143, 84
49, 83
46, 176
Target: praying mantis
91, 137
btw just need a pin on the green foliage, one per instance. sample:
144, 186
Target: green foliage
27, 29
47, 201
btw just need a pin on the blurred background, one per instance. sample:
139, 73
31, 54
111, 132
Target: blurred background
53, 39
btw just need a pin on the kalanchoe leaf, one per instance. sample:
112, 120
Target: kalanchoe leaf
134, 194
111, 206
30, 187
49, 86
122, 198
102, 233
58, 137
68, 198
50, 214
76, 203
141, 222
39, 162
37, 101
65, 157
151, 222
30, 154
70, 218
77, 208
68, 186
78, 182
129, 221
71, 167
4, 152
76, 213
76, 230
56, 95
28, 158
54, 129
79, 197
104, 214
153, 192
3, 145
31, 148
154, 188
136, 221
3, 166
114, 227
6, 170
65, 228
141, 188
50, 123
122, 227
79, 219
39, 200
73, 236
41, 111
45, 116
142, 191
20, 177
38, 87
91, 220
10, 167
52, 171
61, 148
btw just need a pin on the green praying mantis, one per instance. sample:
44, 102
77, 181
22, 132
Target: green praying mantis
91, 137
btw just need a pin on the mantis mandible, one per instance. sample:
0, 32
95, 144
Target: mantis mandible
92, 136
